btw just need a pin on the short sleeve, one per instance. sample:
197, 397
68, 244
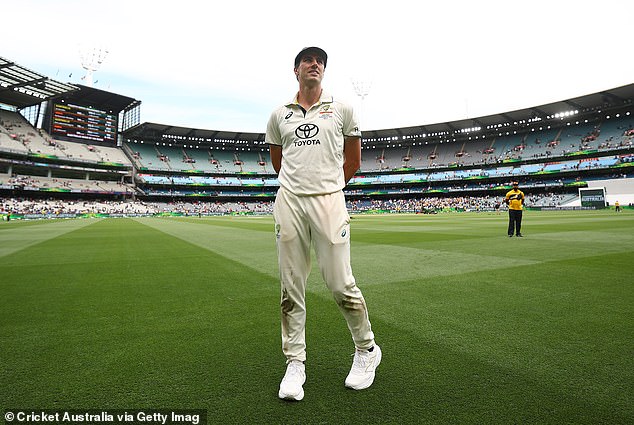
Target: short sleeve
350, 122
273, 136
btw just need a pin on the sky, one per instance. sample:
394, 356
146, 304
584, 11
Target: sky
226, 65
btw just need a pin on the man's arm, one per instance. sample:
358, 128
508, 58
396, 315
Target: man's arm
351, 157
276, 157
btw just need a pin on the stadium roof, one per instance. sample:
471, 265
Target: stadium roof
21, 87
152, 132
597, 102
617, 98
99, 99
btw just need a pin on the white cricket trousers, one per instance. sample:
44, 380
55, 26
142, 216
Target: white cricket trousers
323, 221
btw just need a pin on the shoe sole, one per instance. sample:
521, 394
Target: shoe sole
370, 380
289, 397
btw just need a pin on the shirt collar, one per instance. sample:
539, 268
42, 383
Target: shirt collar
324, 98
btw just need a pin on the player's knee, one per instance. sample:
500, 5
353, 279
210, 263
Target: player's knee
349, 300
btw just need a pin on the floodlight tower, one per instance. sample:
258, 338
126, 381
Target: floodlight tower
91, 60
362, 89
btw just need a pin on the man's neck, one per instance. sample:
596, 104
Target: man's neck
308, 96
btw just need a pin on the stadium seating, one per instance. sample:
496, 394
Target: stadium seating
552, 161
614, 133
92, 153
59, 184
199, 159
149, 157
8, 143
18, 129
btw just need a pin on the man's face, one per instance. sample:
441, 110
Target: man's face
310, 69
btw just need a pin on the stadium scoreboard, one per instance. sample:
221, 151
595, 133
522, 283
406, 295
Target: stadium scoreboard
82, 122
90, 116
592, 197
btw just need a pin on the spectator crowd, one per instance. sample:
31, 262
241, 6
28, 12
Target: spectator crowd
56, 207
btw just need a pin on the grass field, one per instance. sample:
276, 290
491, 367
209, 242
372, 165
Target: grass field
476, 327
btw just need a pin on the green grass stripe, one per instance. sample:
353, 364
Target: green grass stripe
548, 236
17, 235
230, 237
378, 265
249, 241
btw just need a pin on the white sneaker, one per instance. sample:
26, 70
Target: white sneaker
363, 368
291, 385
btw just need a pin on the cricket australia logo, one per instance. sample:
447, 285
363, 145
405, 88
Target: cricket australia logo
306, 134
325, 112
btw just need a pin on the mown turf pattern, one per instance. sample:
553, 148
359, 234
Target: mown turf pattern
182, 313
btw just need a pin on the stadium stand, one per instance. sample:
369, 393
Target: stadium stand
29, 139
27, 183
464, 165
94, 153
152, 157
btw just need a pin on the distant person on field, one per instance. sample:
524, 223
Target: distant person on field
617, 206
315, 147
515, 200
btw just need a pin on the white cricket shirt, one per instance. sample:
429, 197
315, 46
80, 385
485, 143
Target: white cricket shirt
312, 144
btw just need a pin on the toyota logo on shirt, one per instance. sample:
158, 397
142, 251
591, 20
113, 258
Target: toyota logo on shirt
306, 131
